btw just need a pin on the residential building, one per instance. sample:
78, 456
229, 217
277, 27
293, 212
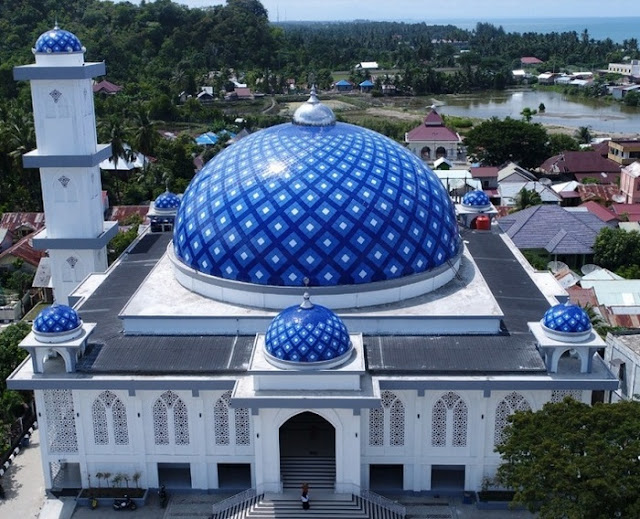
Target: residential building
630, 182
578, 165
626, 69
433, 140
554, 231
624, 152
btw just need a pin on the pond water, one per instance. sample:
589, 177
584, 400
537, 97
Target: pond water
561, 110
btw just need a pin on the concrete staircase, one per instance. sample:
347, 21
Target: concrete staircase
318, 471
323, 506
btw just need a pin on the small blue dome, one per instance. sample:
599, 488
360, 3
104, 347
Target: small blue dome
57, 319
338, 204
167, 200
476, 199
306, 334
566, 318
57, 41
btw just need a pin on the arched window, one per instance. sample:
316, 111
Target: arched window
510, 404
558, 395
389, 417
170, 404
222, 425
441, 152
108, 408
449, 421
425, 153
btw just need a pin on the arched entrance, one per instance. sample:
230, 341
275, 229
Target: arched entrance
308, 452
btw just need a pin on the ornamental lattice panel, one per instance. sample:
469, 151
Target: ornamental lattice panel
392, 413
61, 423
221, 422
450, 410
510, 404
108, 403
169, 401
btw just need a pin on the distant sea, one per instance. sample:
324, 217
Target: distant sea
618, 29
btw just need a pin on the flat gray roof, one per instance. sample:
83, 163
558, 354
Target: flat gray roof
512, 352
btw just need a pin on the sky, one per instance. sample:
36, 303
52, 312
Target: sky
425, 10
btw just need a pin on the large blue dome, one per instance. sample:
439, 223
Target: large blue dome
307, 334
57, 41
337, 204
566, 318
56, 319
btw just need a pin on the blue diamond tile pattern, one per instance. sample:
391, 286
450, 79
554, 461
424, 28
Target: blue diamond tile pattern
307, 335
340, 205
56, 319
475, 199
58, 40
566, 318
167, 201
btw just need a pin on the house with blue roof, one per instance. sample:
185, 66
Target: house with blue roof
366, 86
343, 85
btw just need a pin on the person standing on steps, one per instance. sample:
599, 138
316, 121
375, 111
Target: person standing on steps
305, 496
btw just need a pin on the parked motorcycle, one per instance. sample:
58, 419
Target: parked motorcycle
93, 503
164, 497
124, 504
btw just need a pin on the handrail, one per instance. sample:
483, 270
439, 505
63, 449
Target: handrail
384, 502
239, 498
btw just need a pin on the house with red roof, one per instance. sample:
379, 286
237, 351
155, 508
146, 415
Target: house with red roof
106, 87
530, 61
579, 165
433, 140
627, 212
600, 211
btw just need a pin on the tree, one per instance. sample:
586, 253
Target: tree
495, 142
541, 108
574, 461
615, 248
10, 352
527, 198
527, 114
559, 142
583, 135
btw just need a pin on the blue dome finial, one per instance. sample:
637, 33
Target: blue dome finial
566, 320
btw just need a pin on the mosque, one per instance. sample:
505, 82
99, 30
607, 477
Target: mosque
319, 313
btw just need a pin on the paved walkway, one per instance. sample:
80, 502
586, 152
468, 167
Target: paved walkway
23, 483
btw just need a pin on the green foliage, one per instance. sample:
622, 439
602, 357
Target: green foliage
559, 142
120, 242
528, 113
574, 461
535, 259
527, 198
629, 272
10, 353
616, 248
632, 98
583, 135
495, 142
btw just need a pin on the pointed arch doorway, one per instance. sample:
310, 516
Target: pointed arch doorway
307, 452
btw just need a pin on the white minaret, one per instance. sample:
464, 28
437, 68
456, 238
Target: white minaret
68, 155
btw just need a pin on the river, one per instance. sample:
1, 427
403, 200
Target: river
561, 110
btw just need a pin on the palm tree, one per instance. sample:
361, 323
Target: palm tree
99, 476
115, 133
583, 135
144, 133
